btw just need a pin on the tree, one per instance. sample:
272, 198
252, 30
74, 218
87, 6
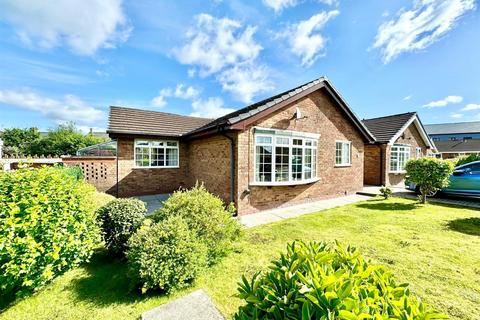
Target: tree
19, 141
429, 174
65, 139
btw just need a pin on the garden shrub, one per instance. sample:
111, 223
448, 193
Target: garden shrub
429, 174
206, 215
74, 171
165, 255
320, 281
119, 219
466, 159
47, 226
386, 192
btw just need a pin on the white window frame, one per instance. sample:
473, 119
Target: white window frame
418, 152
307, 138
165, 146
343, 164
400, 148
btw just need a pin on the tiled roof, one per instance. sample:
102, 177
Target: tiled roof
143, 122
135, 121
385, 128
453, 128
458, 146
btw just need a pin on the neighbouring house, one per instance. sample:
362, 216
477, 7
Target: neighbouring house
455, 139
300, 145
398, 138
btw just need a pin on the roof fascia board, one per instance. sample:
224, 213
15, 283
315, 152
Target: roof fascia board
418, 125
243, 124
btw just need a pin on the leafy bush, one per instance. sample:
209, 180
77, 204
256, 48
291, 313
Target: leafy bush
206, 215
74, 171
466, 159
321, 281
47, 226
386, 192
165, 255
119, 219
429, 174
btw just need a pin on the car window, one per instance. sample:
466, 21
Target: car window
473, 168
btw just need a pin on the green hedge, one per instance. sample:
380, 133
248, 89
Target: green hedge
47, 226
207, 216
321, 281
165, 255
119, 219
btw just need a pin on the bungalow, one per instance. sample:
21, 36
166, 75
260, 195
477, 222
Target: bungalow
398, 138
300, 145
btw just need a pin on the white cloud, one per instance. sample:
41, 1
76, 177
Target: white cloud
210, 108
180, 92
87, 129
305, 38
407, 98
244, 82
279, 5
419, 27
471, 106
217, 43
225, 49
456, 115
443, 102
70, 108
84, 26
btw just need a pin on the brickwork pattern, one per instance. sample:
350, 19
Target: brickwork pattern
319, 115
98, 171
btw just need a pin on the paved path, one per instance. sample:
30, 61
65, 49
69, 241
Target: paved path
268, 216
153, 202
194, 306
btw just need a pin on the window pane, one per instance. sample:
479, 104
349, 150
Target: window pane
172, 157
158, 157
345, 153
142, 157
297, 142
141, 143
263, 140
308, 164
156, 143
172, 143
314, 163
338, 153
264, 163
282, 140
297, 165
281, 163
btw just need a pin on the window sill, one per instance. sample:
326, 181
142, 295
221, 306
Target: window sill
283, 183
397, 172
343, 165
171, 167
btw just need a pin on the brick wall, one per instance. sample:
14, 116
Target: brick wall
209, 163
98, 171
143, 181
322, 116
372, 165
410, 137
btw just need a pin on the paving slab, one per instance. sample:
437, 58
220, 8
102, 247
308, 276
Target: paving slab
194, 306
269, 216
153, 202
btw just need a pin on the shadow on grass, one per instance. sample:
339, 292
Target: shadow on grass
386, 206
469, 226
106, 282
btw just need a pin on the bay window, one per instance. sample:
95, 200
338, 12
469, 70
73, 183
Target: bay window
284, 158
156, 154
399, 155
343, 153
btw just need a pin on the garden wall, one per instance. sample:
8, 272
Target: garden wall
98, 171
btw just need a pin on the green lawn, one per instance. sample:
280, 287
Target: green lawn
435, 248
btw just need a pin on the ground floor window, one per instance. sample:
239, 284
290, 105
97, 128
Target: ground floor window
343, 151
399, 155
418, 152
156, 154
281, 158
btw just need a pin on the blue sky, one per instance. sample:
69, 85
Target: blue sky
70, 60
